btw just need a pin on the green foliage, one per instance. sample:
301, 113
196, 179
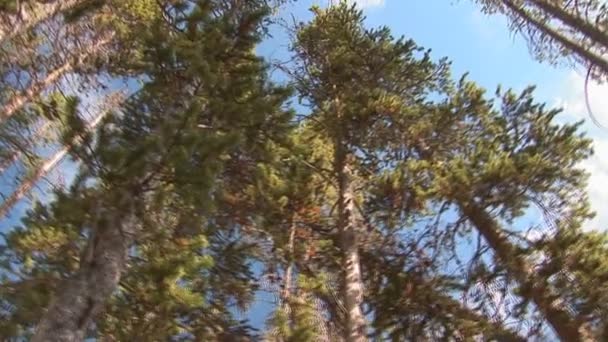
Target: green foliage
223, 183
188, 271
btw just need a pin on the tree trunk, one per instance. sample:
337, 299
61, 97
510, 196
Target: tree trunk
17, 102
508, 255
84, 295
352, 283
20, 150
43, 170
30, 181
589, 56
13, 25
576, 23
286, 293
286, 300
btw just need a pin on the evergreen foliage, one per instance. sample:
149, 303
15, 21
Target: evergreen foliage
394, 210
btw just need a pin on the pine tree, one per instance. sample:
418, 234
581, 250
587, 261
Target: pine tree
358, 82
520, 158
163, 144
290, 195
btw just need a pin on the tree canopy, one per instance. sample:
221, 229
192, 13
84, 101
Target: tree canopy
390, 203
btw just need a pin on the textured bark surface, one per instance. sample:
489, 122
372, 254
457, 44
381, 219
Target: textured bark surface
352, 283
286, 293
84, 295
565, 327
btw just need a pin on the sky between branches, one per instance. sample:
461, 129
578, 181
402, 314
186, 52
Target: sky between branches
475, 43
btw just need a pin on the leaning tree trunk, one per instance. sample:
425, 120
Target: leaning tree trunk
352, 283
507, 254
575, 22
491, 330
12, 25
17, 102
587, 55
84, 295
26, 186
19, 151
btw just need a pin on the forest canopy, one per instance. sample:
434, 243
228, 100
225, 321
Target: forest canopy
361, 188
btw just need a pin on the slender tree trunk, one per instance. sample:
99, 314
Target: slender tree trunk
576, 23
583, 53
321, 321
352, 283
17, 102
30, 181
508, 255
27, 185
286, 300
286, 293
17, 152
84, 295
27, 18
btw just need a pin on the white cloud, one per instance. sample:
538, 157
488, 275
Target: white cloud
597, 166
573, 99
574, 104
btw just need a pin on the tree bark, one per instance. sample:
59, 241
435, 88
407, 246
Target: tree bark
84, 295
565, 326
352, 283
286, 293
13, 25
286, 300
